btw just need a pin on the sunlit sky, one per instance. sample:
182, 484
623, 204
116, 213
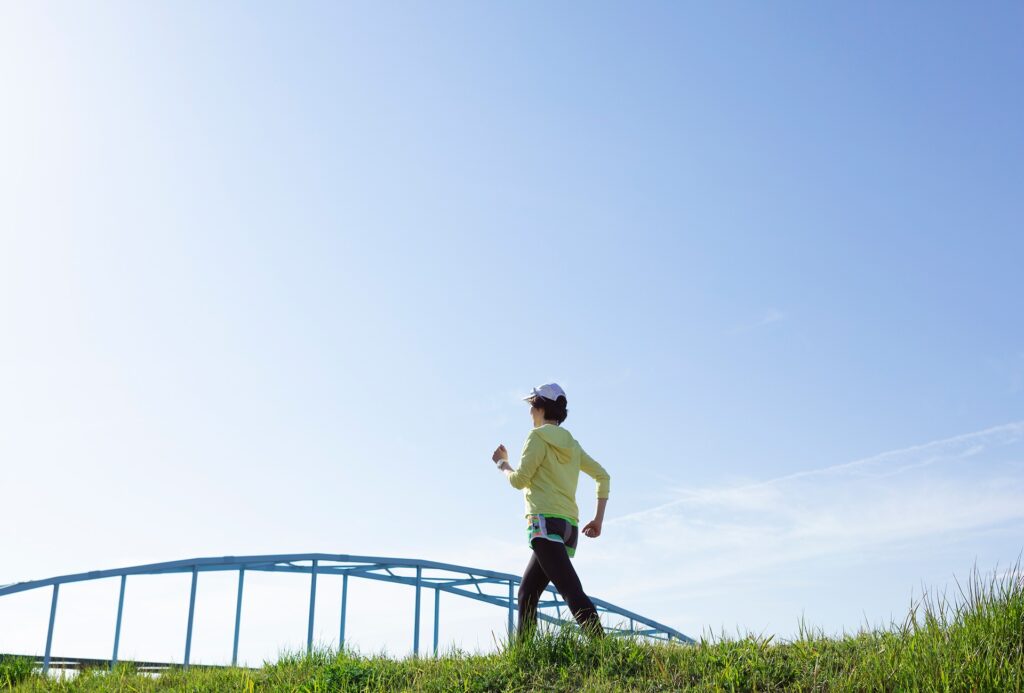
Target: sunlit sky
274, 278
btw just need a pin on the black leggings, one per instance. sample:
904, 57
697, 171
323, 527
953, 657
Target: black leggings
550, 563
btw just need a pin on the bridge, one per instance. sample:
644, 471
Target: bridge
488, 586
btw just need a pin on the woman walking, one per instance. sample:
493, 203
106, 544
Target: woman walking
549, 470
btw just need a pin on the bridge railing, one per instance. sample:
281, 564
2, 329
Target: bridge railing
490, 587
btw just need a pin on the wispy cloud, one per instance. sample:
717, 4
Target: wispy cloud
877, 466
959, 484
772, 315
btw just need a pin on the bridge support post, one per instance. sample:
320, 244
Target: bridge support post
344, 602
117, 624
416, 620
312, 609
511, 599
437, 614
191, 614
49, 630
238, 616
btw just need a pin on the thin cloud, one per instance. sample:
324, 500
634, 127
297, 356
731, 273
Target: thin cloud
882, 464
770, 316
945, 488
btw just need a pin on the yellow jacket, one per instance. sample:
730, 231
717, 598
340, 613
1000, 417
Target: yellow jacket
549, 469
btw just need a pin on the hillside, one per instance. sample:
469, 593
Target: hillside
974, 642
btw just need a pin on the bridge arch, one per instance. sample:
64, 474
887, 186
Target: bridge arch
488, 586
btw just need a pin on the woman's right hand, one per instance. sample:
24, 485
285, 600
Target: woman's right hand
592, 529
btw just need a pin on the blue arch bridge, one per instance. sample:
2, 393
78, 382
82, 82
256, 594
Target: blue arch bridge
498, 589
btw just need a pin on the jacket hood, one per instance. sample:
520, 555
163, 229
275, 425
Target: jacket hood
561, 442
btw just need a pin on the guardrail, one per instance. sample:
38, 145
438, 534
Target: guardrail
488, 586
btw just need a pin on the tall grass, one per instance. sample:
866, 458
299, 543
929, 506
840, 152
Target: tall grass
972, 642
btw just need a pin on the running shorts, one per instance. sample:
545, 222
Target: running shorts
553, 528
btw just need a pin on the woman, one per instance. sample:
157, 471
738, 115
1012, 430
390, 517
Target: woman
549, 469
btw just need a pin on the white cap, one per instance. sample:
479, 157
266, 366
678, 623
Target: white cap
550, 391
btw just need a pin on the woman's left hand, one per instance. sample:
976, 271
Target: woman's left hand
592, 529
500, 453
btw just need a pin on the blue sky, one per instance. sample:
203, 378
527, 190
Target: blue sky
274, 279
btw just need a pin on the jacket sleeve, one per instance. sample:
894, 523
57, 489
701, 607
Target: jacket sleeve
534, 450
591, 468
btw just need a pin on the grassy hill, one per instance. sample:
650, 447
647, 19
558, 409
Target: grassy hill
974, 642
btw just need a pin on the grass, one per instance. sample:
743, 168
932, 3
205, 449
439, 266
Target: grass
974, 642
